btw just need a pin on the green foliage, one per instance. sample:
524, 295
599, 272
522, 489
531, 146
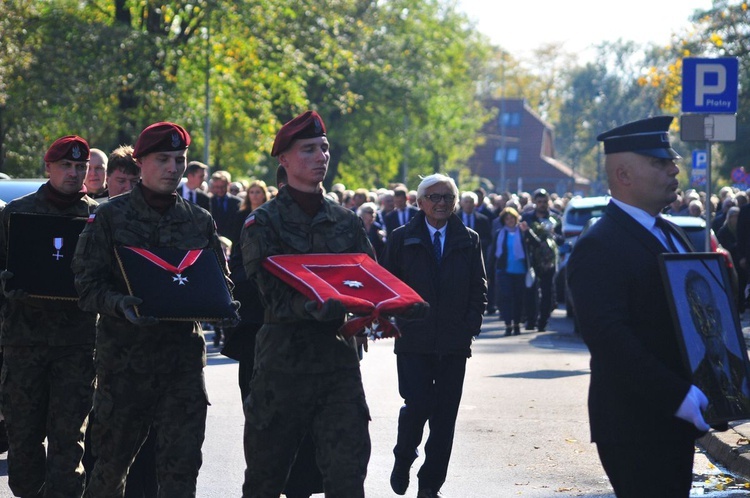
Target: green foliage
394, 81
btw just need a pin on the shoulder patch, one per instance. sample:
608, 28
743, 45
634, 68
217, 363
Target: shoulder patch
250, 220
92, 217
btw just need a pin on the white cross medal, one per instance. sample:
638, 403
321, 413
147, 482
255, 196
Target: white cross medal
58, 243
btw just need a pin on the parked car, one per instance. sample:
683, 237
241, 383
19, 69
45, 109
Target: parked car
695, 229
574, 219
14, 188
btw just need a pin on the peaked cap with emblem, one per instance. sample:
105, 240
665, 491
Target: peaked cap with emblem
71, 147
648, 137
309, 124
161, 137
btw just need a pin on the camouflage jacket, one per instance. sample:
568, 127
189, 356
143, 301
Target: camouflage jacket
34, 321
126, 220
291, 340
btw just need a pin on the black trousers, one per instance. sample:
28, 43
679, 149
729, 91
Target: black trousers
649, 470
431, 386
540, 299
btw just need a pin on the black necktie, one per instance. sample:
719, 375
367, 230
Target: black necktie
437, 247
667, 231
192, 196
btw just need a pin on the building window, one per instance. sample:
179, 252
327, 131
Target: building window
510, 155
510, 119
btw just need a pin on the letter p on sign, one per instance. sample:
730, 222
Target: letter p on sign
710, 80
710, 86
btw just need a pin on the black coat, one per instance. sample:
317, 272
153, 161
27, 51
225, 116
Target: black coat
223, 213
638, 380
201, 198
391, 219
456, 291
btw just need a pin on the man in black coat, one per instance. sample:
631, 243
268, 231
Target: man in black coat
644, 411
402, 212
191, 190
223, 204
441, 259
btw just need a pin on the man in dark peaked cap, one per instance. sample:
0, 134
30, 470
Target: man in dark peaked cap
306, 377
644, 411
149, 372
48, 346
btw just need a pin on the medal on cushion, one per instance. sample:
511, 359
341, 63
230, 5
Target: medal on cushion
190, 258
58, 243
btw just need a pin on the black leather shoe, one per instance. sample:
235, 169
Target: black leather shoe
530, 326
400, 478
508, 330
542, 327
428, 493
516, 329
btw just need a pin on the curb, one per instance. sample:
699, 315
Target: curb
730, 448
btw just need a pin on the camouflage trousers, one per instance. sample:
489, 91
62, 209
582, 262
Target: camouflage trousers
126, 406
46, 392
282, 408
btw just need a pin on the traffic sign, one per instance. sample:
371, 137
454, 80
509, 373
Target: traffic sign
709, 86
700, 159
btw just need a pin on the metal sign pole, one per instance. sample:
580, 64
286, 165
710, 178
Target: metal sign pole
709, 206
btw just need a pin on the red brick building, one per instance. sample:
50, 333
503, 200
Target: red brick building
520, 151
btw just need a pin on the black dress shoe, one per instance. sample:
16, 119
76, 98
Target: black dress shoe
530, 326
400, 478
542, 327
508, 330
428, 493
516, 329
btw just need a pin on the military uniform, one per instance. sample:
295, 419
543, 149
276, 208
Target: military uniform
145, 375
47, 375
306, 375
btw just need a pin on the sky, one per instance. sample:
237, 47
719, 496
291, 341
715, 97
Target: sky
519, 26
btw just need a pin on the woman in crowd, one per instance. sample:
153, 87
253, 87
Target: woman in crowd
508, 256
375, 232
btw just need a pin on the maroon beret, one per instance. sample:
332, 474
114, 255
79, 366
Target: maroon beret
161, 137
307, 125
71, 147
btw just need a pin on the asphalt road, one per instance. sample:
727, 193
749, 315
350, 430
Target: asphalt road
522, 427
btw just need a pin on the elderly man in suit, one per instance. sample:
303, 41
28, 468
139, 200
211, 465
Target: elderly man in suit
441, 259
644, 411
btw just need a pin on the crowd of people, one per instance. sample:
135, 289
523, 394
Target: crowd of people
123, 393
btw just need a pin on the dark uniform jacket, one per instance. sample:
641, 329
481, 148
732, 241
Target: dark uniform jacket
48, 322
638, 380
457, 291
126, 220
291, 340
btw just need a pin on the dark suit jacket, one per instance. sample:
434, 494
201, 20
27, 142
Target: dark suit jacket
391, 219
482, 225
638, 380
743, 233
201, 198
223, 213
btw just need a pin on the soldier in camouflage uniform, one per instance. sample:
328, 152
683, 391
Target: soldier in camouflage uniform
48, 346
149, 373
306, 376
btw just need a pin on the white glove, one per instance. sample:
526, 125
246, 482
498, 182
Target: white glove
691, 408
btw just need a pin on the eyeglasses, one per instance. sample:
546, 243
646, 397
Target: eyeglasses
435, 198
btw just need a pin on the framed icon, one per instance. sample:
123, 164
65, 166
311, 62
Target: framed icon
713, 347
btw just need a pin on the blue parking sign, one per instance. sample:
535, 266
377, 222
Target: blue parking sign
709, 85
